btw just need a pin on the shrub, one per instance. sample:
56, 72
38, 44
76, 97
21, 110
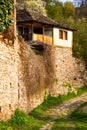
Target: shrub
5, 10
19, 118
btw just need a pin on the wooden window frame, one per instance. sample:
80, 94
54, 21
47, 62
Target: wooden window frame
63, 34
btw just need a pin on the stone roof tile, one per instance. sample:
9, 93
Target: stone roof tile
25, 16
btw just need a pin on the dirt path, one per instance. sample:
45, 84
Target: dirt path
64, 109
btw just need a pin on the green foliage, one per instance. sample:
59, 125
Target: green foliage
5, 10
38, 117
5, 126
81, 90
66, 14
24, 121
69, 124
54, 10
75, 121
80, 39
68, 9
31, 5
21, 121
53, 101
59, 11
70, 87
19, 118
79, 113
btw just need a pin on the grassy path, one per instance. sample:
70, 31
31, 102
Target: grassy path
63, 111
66, 112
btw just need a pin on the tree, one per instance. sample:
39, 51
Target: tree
31, 5
80, 39
68, 9
54, 9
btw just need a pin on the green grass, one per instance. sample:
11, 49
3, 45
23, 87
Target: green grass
38, 117
53, 101
81, 90
21, 121
79, 114
76, 121
69, 124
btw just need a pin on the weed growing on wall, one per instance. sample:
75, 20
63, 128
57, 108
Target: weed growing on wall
6, 7
70, 87
56, 80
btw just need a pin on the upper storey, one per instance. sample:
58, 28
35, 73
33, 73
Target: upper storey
34, 26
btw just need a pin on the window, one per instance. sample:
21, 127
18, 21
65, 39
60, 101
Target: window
60, 34
30, 30
26, 30
38, 30
48, 31
63, 35
20, 30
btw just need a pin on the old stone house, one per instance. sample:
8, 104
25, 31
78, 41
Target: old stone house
34, 26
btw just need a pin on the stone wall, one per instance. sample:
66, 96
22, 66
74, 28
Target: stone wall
31, 77
22, 79
26, 78
70, 72
8, 81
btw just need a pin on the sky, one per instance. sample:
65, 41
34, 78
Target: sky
66, 0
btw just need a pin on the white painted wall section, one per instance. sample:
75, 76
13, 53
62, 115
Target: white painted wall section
62, 42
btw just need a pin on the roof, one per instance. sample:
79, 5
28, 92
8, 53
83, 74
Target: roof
24, 16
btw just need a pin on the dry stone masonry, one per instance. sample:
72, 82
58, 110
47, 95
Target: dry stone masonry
8, 81
26, 78
71, 72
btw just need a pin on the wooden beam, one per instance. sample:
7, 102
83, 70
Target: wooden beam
37, 24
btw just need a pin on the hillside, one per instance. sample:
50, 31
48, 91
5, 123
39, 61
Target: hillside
81, 11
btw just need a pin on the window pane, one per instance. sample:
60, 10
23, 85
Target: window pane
26, 30
60, 34
38, 30
65, 35
30, 29
20, 30
48, 31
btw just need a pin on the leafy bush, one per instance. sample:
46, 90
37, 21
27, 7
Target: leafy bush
19, 118
5, 10
23, 121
